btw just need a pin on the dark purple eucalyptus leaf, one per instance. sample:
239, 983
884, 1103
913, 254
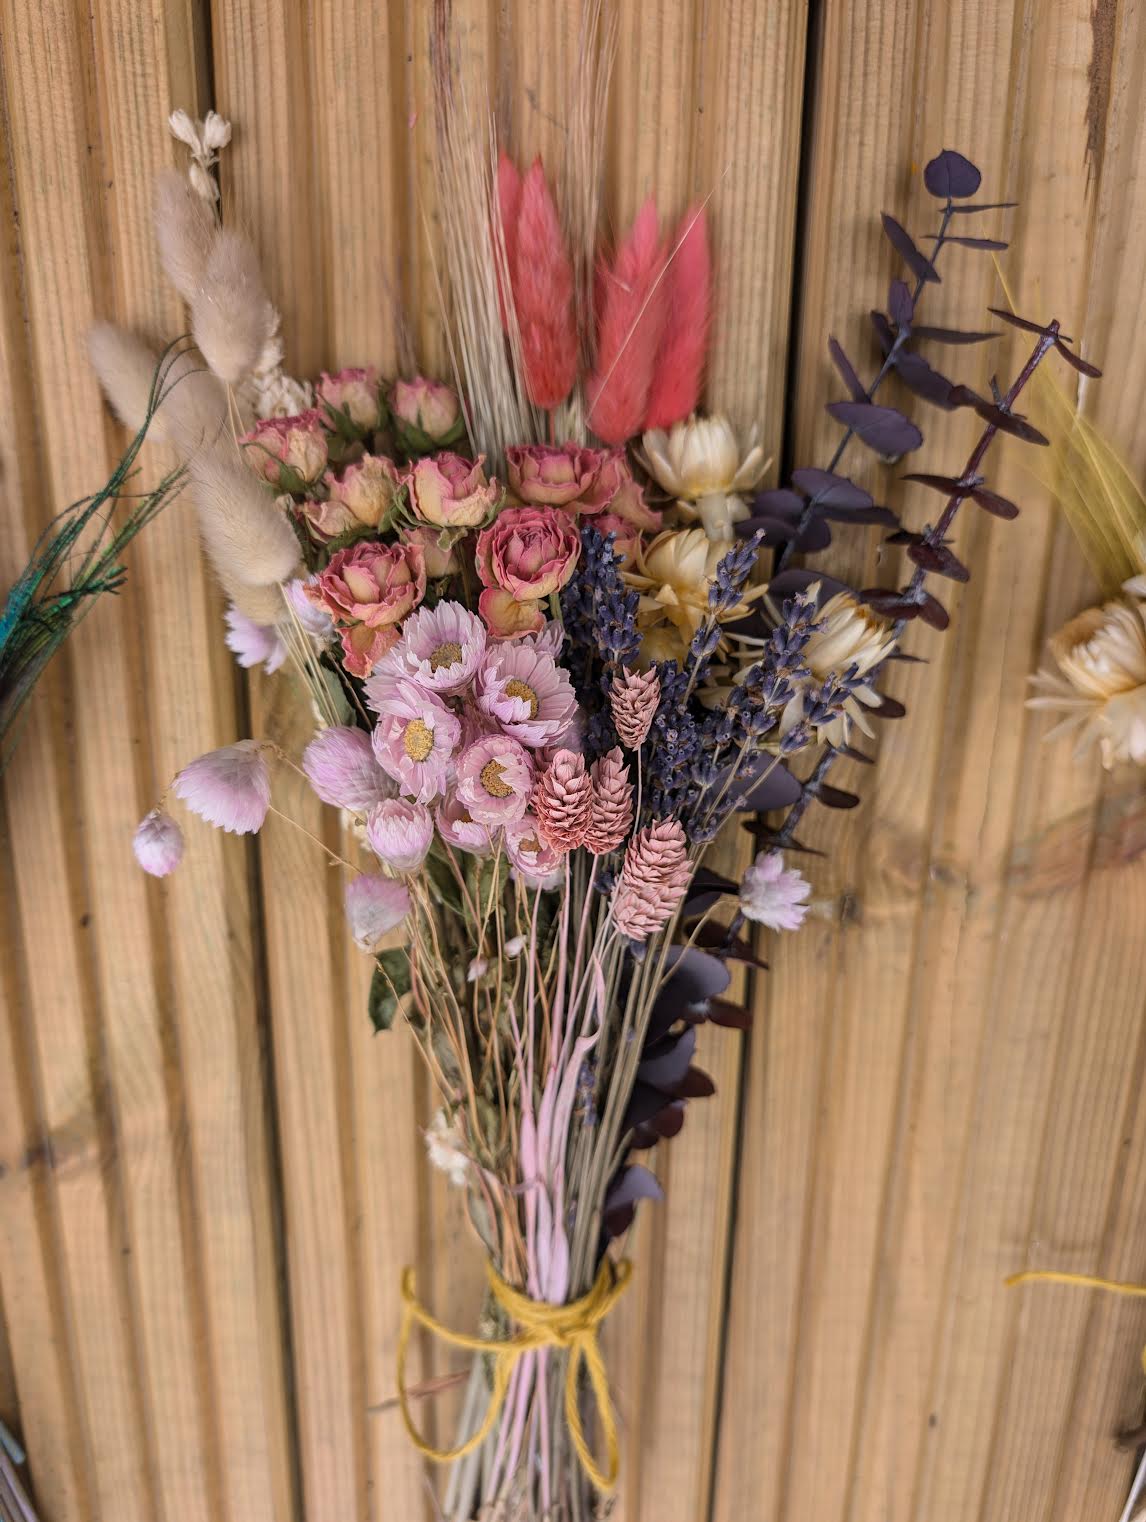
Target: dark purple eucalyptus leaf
696, 1084
890, 602
1009, 422
704, 891
903, 243
881, 515
904, 536
799, 579
828, 490
900, 306
889, 708
763, 785
963, 242
779, 501
729, 1015
692, 976
644, 1102
1080, 365
951, 335
883, 429
847, 374
950, 176
835, 797
715, 938
668, 1122
932, 611
664, 1064
950, 486
918, 376
815, 536
991, 502
883, 331
939, 561
1027, 326
632, 1184
985, 206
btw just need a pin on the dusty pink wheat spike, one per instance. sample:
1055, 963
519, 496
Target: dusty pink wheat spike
654, 879
631, 308
679, 365
562, 801
611, 811
543, 295
633, 699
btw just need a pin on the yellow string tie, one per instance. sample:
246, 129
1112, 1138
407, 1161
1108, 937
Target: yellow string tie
1086, 1281
541, 1325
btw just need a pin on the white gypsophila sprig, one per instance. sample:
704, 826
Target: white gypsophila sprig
203, 139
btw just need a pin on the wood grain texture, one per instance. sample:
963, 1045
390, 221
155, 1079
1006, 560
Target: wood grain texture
212, 1173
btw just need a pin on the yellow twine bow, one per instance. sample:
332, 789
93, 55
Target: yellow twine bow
572, 1327
1086, 1281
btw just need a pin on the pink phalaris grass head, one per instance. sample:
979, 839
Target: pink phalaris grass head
458, 827
533, 859
629, 327
653, 881
229, 788
679, 365
525, 692
772, 895
611, 805
440, 649
415, 737
400, 833
374, 906
253, 644
508, 207
563, 800
353, 392
158, 843
633, 699
495, 779
340, 766
542, 285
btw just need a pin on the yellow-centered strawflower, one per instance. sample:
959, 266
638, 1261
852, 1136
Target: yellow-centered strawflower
1101, 681
701, 463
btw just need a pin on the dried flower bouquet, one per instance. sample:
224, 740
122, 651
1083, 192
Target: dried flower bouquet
546, 672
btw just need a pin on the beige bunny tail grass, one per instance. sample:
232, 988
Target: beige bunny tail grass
194, 413
125, 367
231, 317
262, 605
247, 538
1099, 495
185, 230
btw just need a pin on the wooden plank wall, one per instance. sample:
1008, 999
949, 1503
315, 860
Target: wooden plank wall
210, 1173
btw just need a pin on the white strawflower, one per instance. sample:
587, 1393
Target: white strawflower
773, 896
701, 462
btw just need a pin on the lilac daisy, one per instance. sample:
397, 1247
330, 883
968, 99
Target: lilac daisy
230, 788
400, 833
458, 827
415, 737
440, 649
495, 779
526, 692
535, 863
772, 896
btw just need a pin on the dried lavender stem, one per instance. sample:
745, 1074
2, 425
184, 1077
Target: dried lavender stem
1045, 343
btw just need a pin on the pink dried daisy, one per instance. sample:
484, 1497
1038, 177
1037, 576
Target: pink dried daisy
533, 860
158, 843
229, 788
340, 766
773, 896
633, 700
522, 688
611, 805
440, 649
495, 779
415, 737
400, 833
458, 827
563, 800
374, 907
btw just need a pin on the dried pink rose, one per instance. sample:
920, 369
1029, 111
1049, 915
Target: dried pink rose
400, 833
526, 554
375, 906
458, 827
359, 498
552, 475
426, 413
633, 699
563, 800
772, 896
437, 545
611, 807
495, 779
354, 392
415, 737
615, 491
533, 859
368, 589
158, 843
450, 492
286, 450
229, 788
340, 766
525, 692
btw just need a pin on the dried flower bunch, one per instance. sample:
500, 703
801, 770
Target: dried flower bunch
547, 670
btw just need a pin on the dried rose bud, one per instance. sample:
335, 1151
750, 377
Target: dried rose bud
426, 414
450, 492
353, 393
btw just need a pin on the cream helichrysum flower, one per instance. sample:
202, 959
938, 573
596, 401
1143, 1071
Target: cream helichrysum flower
848, 638
672, 575
1101, 681
204, 139
701, 463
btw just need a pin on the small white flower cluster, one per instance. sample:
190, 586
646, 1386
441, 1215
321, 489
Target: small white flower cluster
204, 139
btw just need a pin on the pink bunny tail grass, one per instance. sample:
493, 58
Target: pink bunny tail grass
508, 211
543, 295
679, 366
631, 313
